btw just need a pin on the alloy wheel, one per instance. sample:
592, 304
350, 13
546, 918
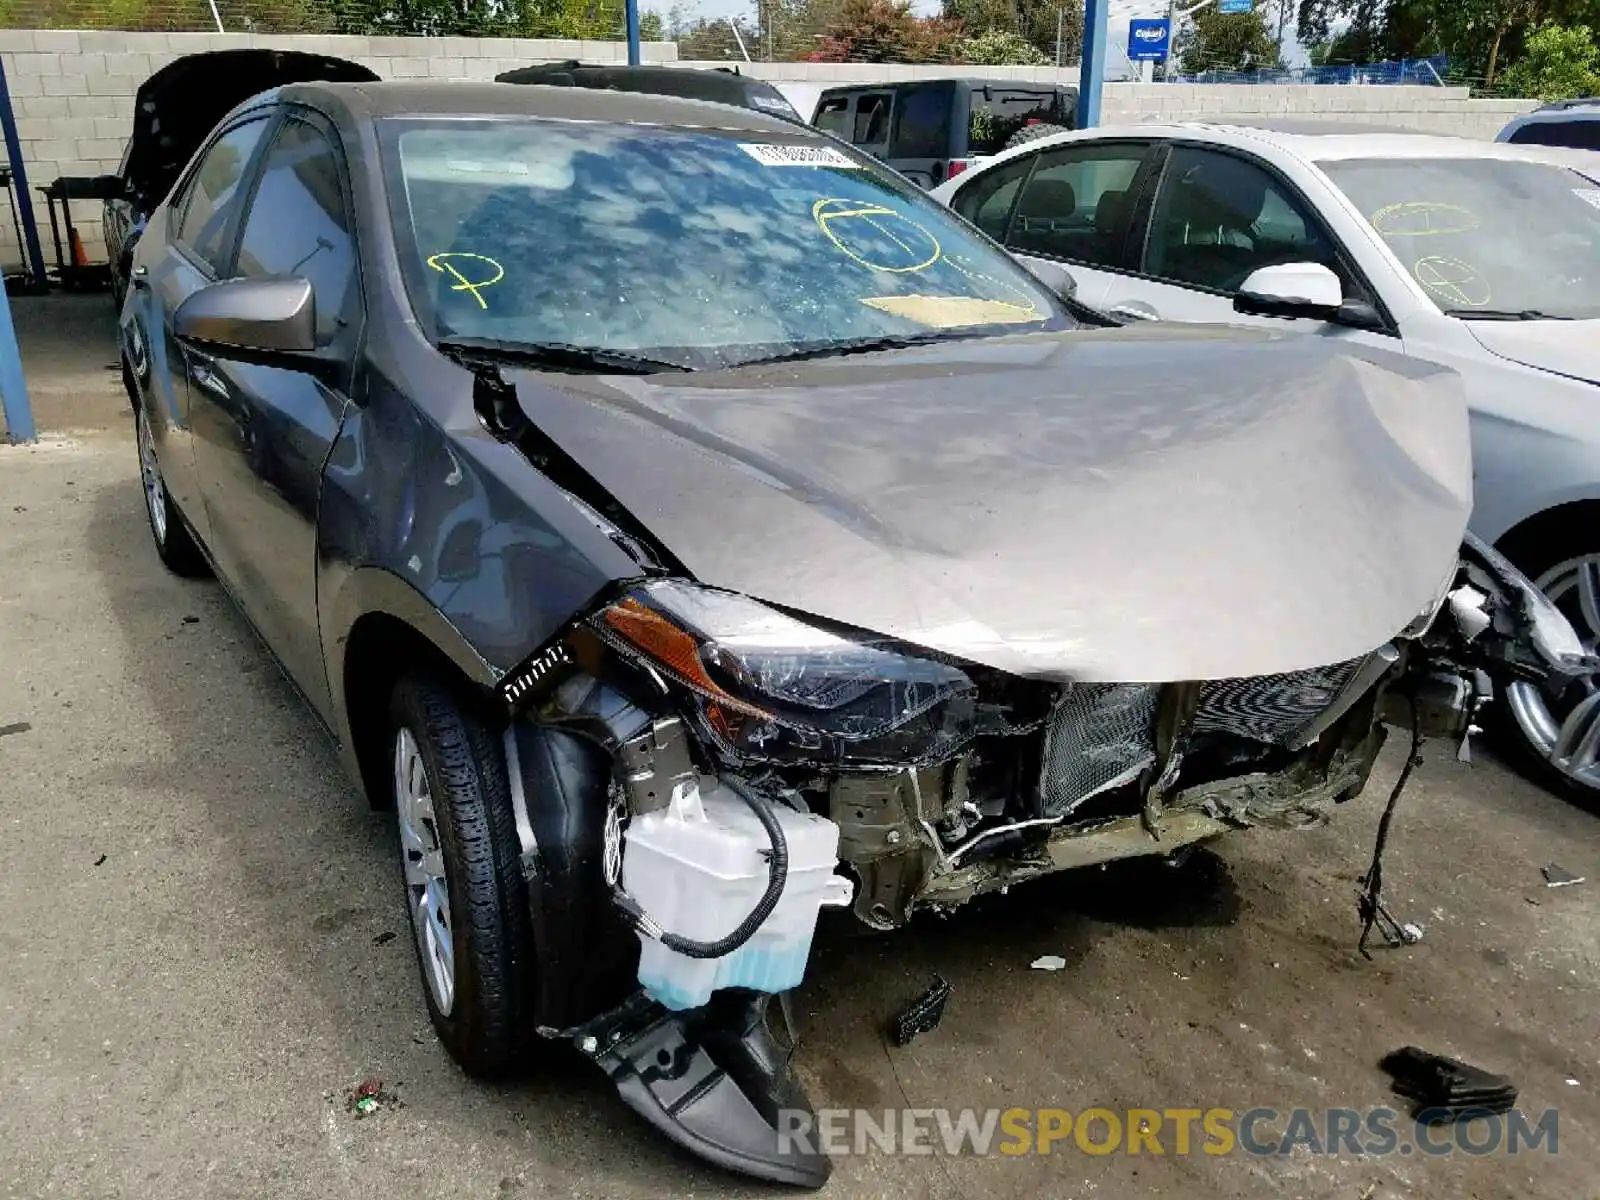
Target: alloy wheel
422, 856
155, 491
1563, 727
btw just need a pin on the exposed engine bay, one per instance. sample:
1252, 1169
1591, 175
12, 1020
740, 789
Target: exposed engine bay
943, 782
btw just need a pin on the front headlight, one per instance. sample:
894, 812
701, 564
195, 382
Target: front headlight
770, 686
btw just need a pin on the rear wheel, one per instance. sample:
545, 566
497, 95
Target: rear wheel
174, 543
461, 864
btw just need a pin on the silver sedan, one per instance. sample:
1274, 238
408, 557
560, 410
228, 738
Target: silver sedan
1481, 256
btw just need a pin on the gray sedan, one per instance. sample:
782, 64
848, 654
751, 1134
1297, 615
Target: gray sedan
1481, 256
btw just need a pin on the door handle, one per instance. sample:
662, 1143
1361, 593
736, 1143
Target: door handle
1135, 310
140, 276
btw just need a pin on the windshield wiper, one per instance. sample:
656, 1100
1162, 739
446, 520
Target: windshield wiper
1504, 314
865, 345
560, 356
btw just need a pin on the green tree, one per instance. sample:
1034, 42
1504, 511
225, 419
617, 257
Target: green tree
1035, 20
885, 31
1219, 41
1558, 63
999, 48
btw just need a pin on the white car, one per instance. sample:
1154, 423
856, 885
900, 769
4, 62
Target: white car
1482, 256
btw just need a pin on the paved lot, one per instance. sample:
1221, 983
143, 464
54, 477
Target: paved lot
196, 959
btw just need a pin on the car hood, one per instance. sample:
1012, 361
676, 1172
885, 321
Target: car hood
1141, 504
1564, 347
180, 104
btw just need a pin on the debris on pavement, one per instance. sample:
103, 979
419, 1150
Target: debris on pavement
1555, 875
924, 1013
1447, 1088
368, 1096
388, 935
15, 727
100, 861
191, 620
1048, 962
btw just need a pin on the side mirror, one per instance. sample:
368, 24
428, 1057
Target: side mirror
1305, 289
1057, 278
268, 316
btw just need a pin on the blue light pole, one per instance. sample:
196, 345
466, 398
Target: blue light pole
1092, 73
631, 7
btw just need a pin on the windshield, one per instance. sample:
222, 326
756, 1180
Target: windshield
1486, 237
696, 247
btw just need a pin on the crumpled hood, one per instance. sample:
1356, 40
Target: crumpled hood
1570, 348
1141, 504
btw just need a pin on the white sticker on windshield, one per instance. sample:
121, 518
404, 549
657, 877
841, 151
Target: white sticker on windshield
1589, 195
797, 156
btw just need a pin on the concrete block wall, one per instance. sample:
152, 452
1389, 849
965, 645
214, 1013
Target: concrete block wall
73, 92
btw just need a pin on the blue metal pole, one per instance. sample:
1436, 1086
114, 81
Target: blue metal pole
19, 184
13, 384
1092, 73
632, 9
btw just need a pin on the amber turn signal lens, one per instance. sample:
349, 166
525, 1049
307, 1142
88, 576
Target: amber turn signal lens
663, 642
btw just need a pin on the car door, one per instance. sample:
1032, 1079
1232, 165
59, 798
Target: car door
1071, 204
197, 229
1216, 216
919, 138
263, 432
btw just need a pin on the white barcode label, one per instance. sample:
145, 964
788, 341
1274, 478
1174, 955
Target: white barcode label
797, 156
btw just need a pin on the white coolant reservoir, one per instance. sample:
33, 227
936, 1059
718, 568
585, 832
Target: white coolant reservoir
698, 868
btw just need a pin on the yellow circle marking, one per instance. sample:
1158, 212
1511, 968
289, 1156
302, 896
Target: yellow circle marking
1423, 218
978, 277
899, 229
444, 264
1457, 281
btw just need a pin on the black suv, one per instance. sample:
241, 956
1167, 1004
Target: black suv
936, 128
723, 85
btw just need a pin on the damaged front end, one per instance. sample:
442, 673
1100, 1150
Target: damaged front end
751, 751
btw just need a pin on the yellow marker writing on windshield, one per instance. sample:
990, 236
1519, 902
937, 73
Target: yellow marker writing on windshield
858, 229
445, 266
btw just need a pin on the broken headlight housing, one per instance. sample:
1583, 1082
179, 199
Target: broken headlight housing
767, 685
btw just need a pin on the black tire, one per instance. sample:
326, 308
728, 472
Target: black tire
175, 545
1032, 133
488, 1030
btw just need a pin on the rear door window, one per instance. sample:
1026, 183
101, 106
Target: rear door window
211, 199
872, 119
988, 199
1076, 204
922, 123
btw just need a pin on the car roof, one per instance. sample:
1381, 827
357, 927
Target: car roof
1313, 141
404, 98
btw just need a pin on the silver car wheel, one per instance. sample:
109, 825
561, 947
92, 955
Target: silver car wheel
427, 886
1569, 741
155, 491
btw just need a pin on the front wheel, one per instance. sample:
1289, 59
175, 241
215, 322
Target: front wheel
461, 864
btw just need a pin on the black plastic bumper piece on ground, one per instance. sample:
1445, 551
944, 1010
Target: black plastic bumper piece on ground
712, 1080
1445, 1088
